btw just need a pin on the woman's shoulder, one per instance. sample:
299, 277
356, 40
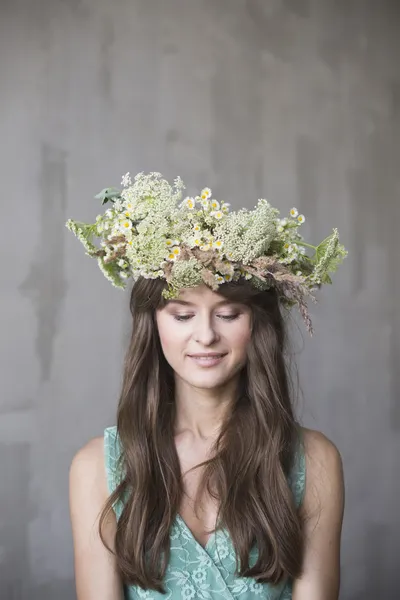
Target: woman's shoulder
88, 490
323, 467
318, 447
88, 461
96, 453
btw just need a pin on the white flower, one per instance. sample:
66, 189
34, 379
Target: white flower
205, 194
175, 252
215, 204
126, 180
125, 225
189, 203
121, 262
301, 219
217, 244
283, 221
205, 204
280, 229
124, 274
109, 213
294, 212
217, 214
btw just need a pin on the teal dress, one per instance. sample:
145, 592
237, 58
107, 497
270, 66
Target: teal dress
206, 573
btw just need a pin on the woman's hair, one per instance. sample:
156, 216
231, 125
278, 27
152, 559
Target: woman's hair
251, 458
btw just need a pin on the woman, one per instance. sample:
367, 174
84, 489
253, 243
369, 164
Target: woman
207, 487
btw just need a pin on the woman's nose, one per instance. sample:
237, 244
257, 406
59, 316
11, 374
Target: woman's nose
204, 332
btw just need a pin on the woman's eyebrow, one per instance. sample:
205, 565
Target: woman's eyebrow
185, 303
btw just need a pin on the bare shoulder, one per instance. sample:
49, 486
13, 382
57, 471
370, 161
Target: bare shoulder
324, 470
87, 470
320, 450
96, 572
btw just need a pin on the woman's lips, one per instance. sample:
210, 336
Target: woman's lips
207, 361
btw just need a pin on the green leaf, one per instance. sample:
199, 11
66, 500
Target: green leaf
107, 194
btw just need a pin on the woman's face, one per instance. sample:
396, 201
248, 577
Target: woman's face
201, 321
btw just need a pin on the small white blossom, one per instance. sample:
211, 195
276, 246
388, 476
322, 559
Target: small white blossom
301, 219
189, 203
125, 225
205, 194
126, 180
294, 212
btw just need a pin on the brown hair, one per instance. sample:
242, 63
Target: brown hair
252, 456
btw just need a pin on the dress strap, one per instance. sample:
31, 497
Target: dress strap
297, 476
112, 456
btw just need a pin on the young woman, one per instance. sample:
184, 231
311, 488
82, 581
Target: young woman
207, 487
274, 488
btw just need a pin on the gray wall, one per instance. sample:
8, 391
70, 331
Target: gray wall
293, 100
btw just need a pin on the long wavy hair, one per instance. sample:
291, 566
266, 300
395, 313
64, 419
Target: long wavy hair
251, 458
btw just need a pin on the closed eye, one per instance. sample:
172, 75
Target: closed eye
187, 317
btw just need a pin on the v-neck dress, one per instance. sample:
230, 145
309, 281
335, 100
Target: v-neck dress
205, 573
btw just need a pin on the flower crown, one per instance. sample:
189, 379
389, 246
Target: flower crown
149, 231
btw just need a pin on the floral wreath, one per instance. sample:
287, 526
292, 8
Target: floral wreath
149, 230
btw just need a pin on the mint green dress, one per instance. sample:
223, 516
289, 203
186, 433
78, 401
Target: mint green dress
206, 573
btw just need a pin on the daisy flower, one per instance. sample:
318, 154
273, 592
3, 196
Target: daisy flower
218, 244
205, 194
294, 212
301, 219
189, 203
125, 225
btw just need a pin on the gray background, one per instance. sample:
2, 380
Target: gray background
293, 100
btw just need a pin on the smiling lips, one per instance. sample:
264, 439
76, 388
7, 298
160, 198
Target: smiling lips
207, 354
207, 359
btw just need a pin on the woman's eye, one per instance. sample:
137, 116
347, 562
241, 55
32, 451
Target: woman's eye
224, 317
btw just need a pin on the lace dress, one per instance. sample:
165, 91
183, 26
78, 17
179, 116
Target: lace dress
205, 573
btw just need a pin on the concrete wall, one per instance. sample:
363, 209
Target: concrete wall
293, 100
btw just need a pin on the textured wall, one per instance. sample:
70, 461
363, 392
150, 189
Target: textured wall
293, 100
